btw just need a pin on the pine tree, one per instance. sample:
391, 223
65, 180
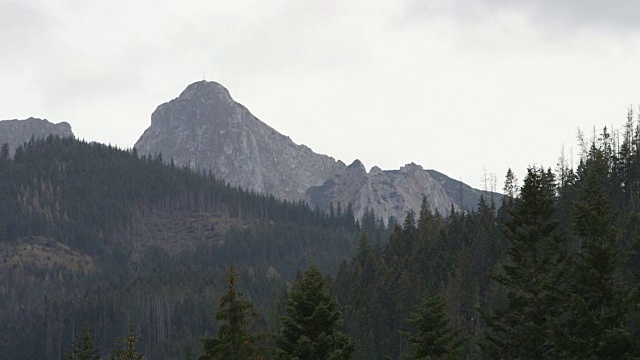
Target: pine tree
433, 337
532, 277
233, 339
83, 347
359, 281
311, 330
510, 186
598, 306
129, 352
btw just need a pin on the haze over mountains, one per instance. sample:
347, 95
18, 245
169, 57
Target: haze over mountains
204, 128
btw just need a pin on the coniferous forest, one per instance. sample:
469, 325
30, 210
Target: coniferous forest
111, 255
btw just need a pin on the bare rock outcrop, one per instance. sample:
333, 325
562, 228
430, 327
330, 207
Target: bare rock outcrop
205, 128
390, 193
17, 132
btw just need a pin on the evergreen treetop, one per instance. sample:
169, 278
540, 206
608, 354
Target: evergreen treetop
234, 339
130, 351
83, 347
532, 277
433, 337
311, 329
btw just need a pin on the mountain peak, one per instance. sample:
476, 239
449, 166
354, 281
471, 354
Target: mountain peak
375, 171
205, 89
205, 128
411, 168
358, 166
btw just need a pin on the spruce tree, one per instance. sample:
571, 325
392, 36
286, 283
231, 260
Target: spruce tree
233, 339
358, 282
433, 337
510, 186
83, 347
533, 277
129, 352
311, 329
599, 303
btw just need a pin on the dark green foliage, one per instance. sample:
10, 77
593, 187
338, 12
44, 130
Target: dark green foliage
81, 193
93, 232
599, 303
83, 347
381, 286
117, 211
510, 186
433, 338
311, 331
234, 339
533, 276
360, 286
129, 351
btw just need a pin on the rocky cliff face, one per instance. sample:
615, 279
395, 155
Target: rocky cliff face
17, 132
205, 128
388, 193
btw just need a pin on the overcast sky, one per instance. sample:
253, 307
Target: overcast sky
457, 86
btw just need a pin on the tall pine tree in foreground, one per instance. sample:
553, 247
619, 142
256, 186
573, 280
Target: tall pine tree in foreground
533, 277
83, 347
311, 329
599, 303
233, 341
433, 338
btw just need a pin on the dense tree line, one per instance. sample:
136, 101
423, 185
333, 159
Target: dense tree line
550, 272
80, 192
553, 273
72, 216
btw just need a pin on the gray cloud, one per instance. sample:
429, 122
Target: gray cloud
19, 18
616, 15
339, 76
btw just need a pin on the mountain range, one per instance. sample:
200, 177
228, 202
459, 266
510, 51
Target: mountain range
89, 232
204, 128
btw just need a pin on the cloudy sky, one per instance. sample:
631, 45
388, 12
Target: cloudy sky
457, 86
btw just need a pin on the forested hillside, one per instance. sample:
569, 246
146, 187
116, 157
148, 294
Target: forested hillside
552, 274
93, 233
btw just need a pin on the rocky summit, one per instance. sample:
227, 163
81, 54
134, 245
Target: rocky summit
390, 193
205, 128
17, 132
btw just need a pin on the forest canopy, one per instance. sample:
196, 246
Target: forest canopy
130, 244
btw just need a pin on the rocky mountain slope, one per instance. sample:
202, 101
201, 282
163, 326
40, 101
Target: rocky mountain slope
462, 194
388, 193
205, 128
17, 132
